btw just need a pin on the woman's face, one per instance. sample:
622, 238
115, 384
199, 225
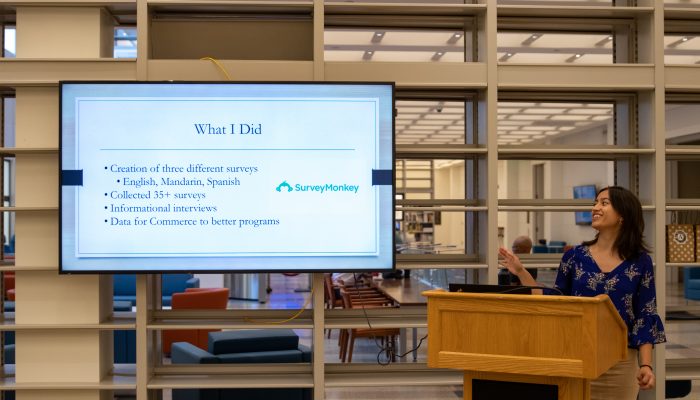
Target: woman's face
605, 217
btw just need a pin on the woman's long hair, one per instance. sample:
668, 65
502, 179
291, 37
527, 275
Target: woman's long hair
630, 240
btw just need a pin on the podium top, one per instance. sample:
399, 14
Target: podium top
567, 336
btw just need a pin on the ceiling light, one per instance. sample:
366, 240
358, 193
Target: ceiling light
505, 57
368, 55
531, 39
437, 55
574, 57
378, 36
455, 38
683, 39
604, 41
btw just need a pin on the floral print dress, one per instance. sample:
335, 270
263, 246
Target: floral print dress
630, 286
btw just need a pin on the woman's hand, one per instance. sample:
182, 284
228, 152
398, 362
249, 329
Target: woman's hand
510, 261
646, 378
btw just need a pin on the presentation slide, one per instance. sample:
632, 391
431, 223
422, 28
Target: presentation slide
248, 177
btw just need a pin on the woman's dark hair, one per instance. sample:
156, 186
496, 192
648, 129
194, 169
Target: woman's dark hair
630, 242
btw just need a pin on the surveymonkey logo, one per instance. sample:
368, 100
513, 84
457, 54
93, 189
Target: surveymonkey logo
318, 188
284, 185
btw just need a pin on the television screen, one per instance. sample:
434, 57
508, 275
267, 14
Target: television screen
584, 192
207, 177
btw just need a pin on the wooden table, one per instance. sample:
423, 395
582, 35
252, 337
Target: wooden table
406, 293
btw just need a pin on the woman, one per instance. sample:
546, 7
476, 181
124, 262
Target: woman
615, 263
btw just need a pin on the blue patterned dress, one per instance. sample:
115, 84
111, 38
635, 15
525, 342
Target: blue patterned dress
630, 286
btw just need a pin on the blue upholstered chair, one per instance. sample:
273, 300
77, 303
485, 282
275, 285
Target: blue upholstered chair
556, 246
124, 341
125, 286
244, 346
691, 282
539, 249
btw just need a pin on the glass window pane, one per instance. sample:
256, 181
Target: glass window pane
683, 123
561, 123
430, 122
125, 42
549, 47
10, 42
408, 45
682, 49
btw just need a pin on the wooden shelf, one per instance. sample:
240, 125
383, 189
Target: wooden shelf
123, 377
594, 153
680, 152
622, 77
398, 9
72, 3
213, 7
433, 75
5, 268
685, 368
682, 204
13, 151
438, 151
684, 307
48, 72
238, 380
682, 78
8, 324
572, 11
108, 383
203, 70
230, 319
676, 265
446, 205
28, 209
681, 12
551, 205
399, 374
254, 323
420, 261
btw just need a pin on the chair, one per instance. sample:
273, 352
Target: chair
556, 246
348, 336
194, 298
125, 286
331, 293
691, 283
678, 389
244, 346
9, 282
539, 249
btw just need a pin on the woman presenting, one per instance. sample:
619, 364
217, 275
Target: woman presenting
615, 263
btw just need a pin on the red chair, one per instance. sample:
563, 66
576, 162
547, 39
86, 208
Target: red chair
194, 298
9, 282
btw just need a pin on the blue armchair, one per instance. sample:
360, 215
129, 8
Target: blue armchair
539, 249
556, 246
691, 282
125, 286
246, 346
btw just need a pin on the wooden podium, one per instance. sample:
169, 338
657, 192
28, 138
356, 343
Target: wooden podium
557, 343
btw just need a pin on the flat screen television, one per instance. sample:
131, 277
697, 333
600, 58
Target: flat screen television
584, 192
223, 176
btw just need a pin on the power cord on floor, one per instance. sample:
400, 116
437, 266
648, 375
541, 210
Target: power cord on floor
389, 349
284, 321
